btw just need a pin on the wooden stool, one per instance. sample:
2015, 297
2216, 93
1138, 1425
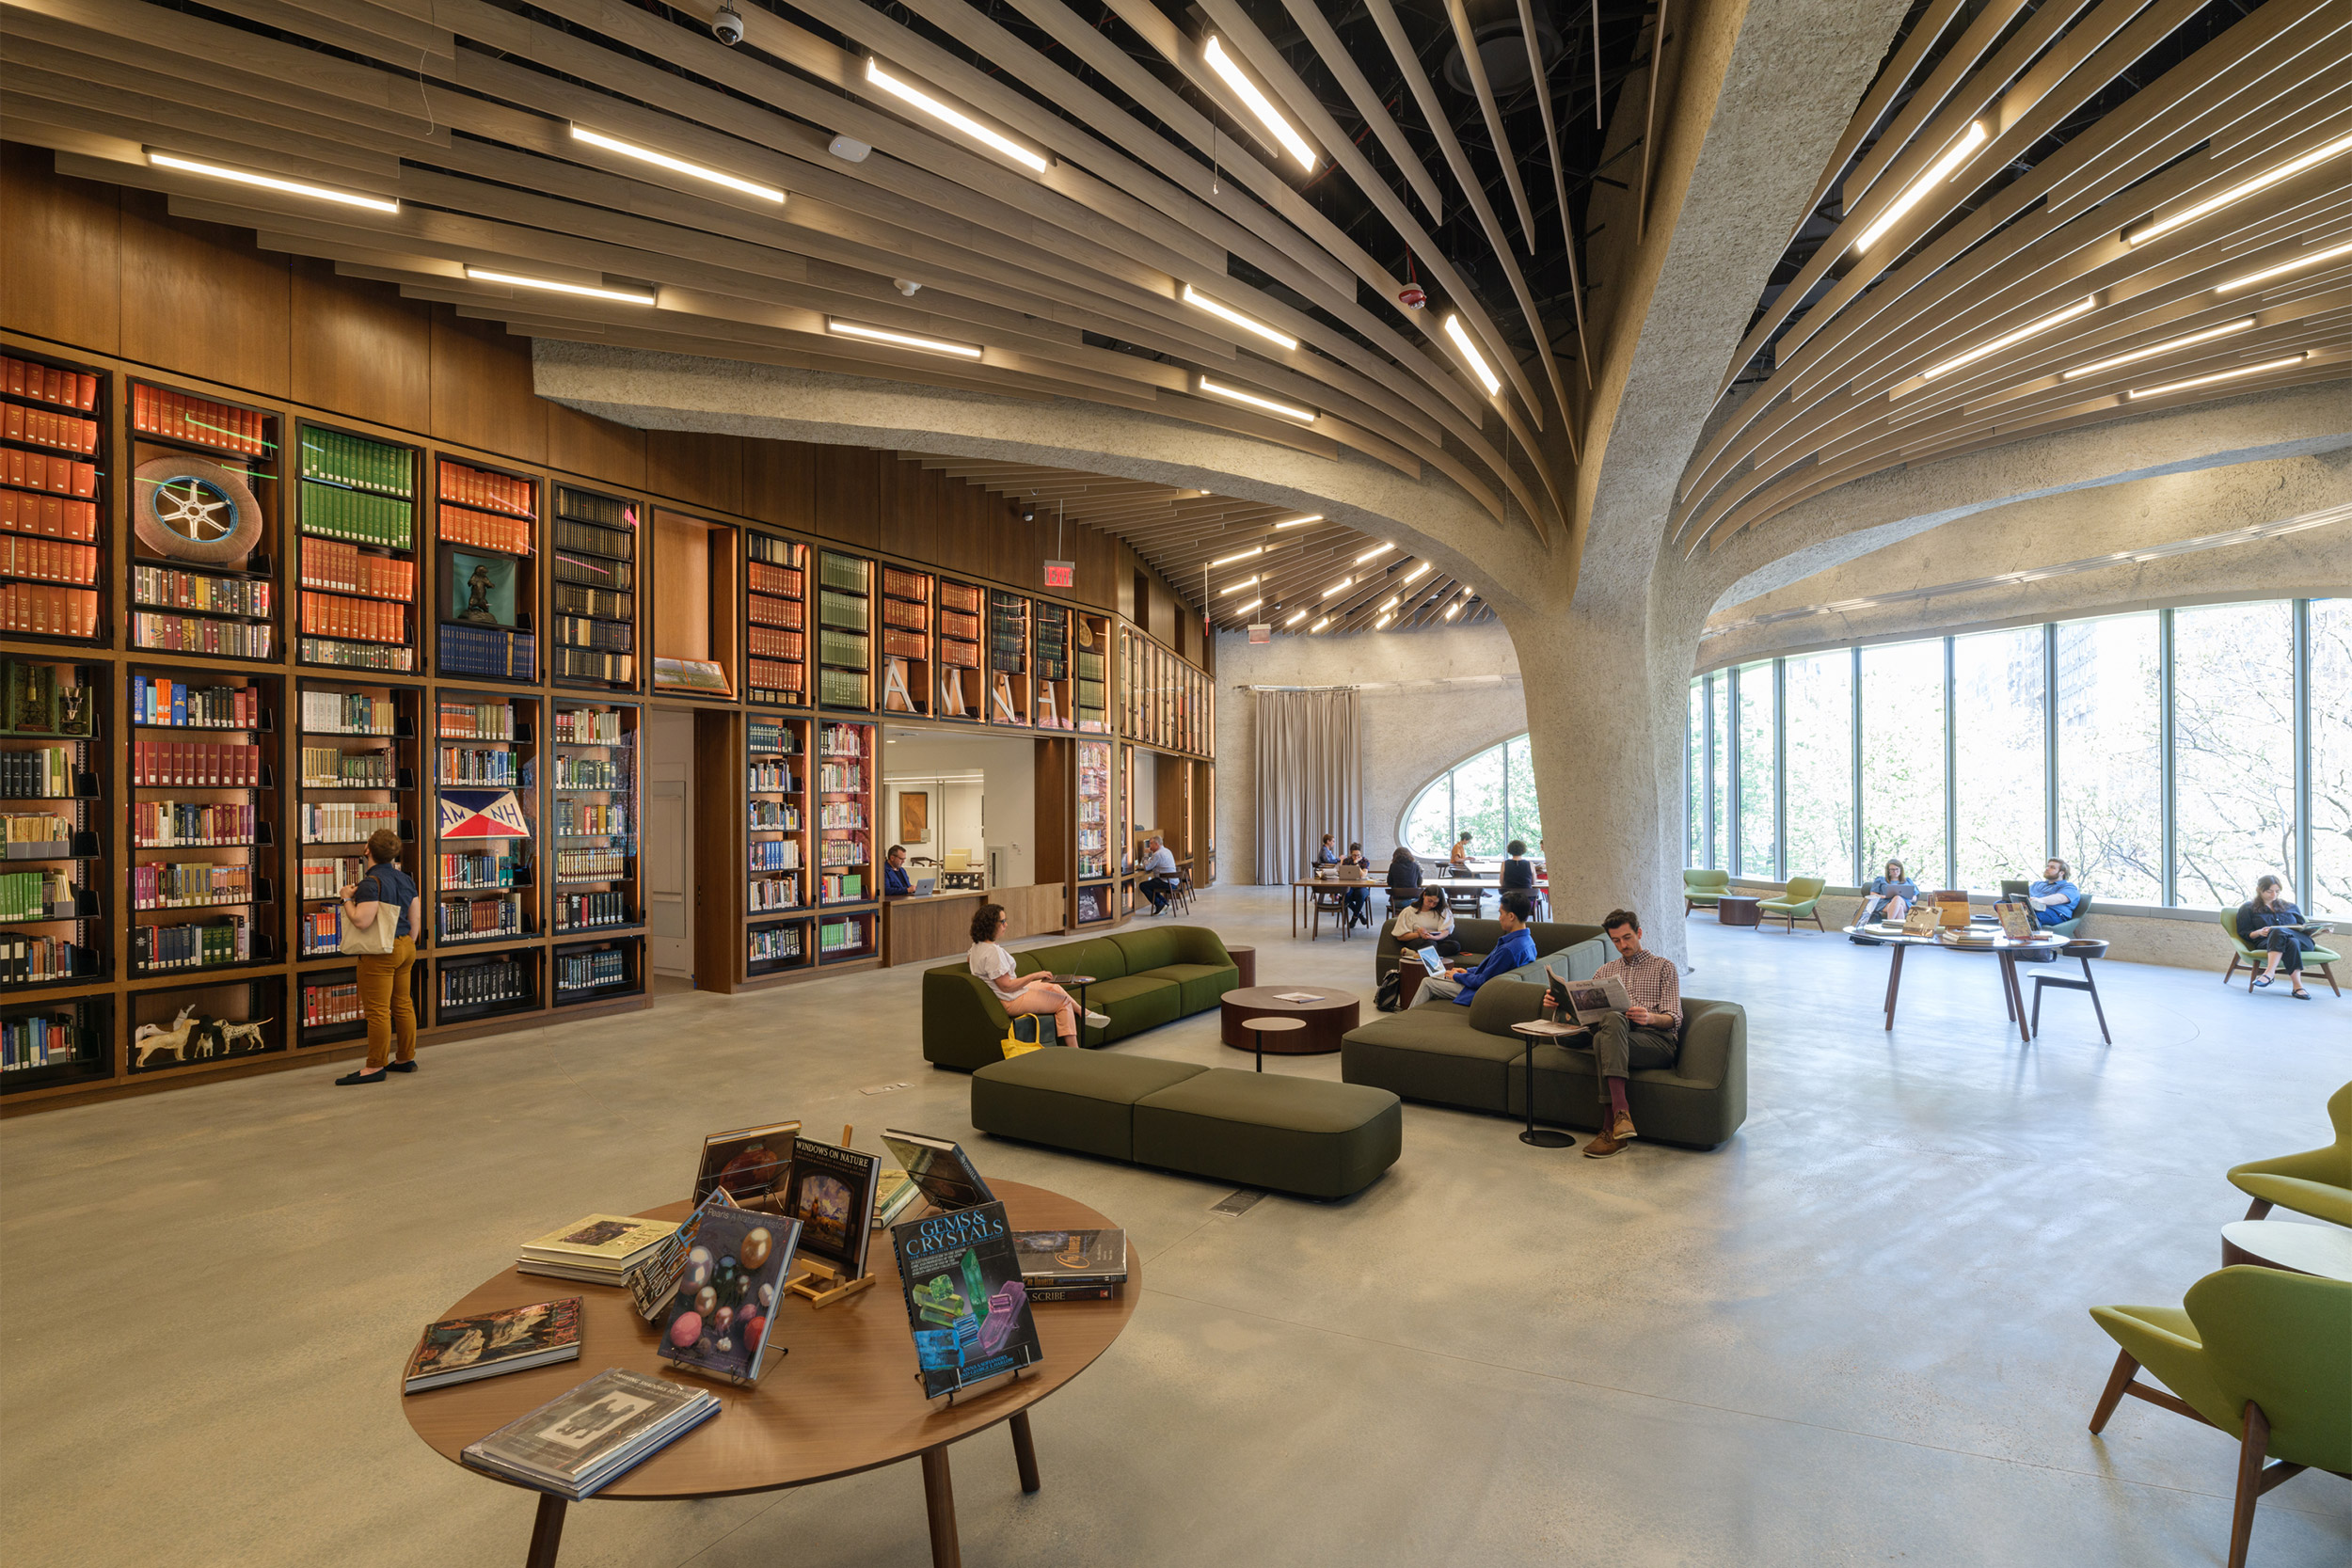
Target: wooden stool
1258, 1026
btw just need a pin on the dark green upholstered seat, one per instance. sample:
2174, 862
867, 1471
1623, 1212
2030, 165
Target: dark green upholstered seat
1144, 978
1080, 1099
1269, 1130
1134, 1004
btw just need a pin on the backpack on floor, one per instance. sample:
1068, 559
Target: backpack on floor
1385, 999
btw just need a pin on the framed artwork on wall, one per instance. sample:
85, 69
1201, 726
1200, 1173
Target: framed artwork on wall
914, 816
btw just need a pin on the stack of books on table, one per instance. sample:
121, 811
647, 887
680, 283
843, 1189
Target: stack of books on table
599, 1250
1072, 1266
579, 1443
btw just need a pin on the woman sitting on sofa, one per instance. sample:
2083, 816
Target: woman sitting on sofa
1427, 923
989, 960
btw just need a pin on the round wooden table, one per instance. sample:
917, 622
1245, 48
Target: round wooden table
1735, 909
844, 1398
1332, 1013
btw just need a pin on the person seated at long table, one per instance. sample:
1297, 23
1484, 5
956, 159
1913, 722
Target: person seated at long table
1360, 899
1403, 878
896, 883
1516, 947
2054, 898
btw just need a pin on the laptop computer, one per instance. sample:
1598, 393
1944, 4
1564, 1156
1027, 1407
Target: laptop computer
926, 886
1429, 960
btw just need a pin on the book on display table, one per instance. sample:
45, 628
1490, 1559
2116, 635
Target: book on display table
751, 1163
582, 1440
966, 1305
483, 1344
946, 1175
598, 1249
735, 1270
830, 1190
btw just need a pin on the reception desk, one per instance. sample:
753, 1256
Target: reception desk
921, 930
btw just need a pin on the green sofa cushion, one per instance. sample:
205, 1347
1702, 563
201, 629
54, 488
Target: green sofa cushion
1133, 1004
1149, 948
1201, 984
1431, 1054
1079, 1099
1271, 1130
1096, 956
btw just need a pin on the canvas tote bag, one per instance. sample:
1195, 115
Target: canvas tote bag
373, 940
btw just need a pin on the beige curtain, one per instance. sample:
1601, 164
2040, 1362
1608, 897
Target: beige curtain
1309, 762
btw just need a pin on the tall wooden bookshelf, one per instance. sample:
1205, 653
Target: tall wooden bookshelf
775, 616
1009, 691
482, 896
845, 643
779, 824
962, 682
848, 875
356, 748
593, 564
54, 932
357, 554
1053, 703
596, 899
486, 575
206, 493
56, 451
906, 642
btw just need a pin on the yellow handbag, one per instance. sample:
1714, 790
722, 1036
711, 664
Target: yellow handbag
1014, 1044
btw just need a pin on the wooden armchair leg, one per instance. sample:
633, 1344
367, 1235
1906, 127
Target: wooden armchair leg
2230, 972
2250, 1452
2257, 1208
2117, 1381
2330, 972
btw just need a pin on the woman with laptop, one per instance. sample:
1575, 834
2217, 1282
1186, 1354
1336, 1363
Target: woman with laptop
989, 960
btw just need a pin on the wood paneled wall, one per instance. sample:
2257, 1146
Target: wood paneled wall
107, 269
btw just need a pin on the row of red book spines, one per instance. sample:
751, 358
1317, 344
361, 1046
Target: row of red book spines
50, 560
766, 578
345, 569
61, 476
199, 421
955, 596
39, 610
364, 620
490, 531
48, 384
41, 428
50, 516
195, 765
492, 492
898, 584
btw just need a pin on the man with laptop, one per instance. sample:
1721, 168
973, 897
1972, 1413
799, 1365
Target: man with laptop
1517, 947
895, 883
1632, 1008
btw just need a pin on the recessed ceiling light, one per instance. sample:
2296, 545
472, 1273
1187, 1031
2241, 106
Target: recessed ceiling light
1259, 104
1301, 522
1235, 394
1939, 171
2300, 263
2218, 375
1374, 553
271, 182
951, 115
2032, 328
902, 340
675, 165
1195, 298
2150, 228
1468, 351
1295, 618
1417, 572
1339, 587
1238, 555
626, 296
1245, 582
2153, 349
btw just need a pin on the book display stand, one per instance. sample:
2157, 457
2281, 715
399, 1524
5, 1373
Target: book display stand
204, 497
961, 606
55, 517
776, 617
845, 662
776, 830
593, 597
356, 508
1009, 691
906, 640
487, 583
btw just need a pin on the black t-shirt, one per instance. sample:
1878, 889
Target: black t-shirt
1517, 871
388, 884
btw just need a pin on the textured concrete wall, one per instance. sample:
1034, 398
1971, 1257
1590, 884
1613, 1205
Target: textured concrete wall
1412, 727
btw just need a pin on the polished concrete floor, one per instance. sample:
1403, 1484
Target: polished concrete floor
1856, 1333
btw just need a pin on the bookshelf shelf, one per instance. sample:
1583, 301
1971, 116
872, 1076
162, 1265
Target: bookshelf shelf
598, 970
482, 985
592, 594
55, 494
961, 681
485, 869
1055, 694
356, 552
844, 814
845, 659
486, 577
1009, 689
1091, 671
194, 1028
53, 1043
594, 816
203, 762
52, 740
778, 947
204, 500
775, 620
356, 773
777, 815
906, 638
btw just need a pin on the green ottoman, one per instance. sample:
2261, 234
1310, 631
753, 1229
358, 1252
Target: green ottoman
1270, 1129
1081, 1100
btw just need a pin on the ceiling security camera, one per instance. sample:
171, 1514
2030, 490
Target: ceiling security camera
727, 26
905, 286
1028, 515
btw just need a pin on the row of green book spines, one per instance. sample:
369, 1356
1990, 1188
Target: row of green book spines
841, 571
357, 515
355, 461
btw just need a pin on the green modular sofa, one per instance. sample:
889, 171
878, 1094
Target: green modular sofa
1466, 1056
1575, 951
1152, 975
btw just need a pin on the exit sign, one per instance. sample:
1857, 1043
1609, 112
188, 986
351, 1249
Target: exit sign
1061, 574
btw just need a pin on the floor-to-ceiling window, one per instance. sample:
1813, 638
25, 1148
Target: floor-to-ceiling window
1694, 779
1820, 785
1523, 820
2329, 708
2111, 756
2000, 740
1759, 811
1902, 758
2233, 751
1718, 708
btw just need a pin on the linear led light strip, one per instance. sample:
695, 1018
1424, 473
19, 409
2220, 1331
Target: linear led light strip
1295, 618
2031, 329
1238, 555
271, 182
2149, 229
1245, 582
1320, 625
1299, 522
1199, 301
902, 340
1417, 572
1374, 553
1235, 394
957, 118
1468, 351
1259, 104
675, 165
1939, 171
2218, 375
2153, 349
2299, 264
556, 286
1246, 608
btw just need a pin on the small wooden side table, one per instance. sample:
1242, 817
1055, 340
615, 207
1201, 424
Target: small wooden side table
1244, 959
1733, 909
1258, 1026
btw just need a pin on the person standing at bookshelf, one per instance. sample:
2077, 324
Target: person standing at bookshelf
2054, 898
2271, 919
992, 964
383, 997
1648, 1034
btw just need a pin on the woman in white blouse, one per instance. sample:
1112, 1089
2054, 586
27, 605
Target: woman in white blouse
1427, 923
1036, 994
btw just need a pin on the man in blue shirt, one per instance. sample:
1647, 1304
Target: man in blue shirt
896, 883
2054, 898
1517, 947
1159, 866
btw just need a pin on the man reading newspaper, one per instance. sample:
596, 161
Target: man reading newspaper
1633, 1008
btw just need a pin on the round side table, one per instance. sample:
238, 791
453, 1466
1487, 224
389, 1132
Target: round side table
2325, 1250
1532, 1031
1244, 959
1258, 1026
1328, 1015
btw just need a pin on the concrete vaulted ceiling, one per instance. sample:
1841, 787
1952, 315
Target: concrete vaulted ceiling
1701, 274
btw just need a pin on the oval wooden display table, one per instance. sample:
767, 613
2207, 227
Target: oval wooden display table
846, 1399
1332, 1013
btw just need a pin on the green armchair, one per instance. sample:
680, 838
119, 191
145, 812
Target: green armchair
1700, 889
2254, 958
2317, 1182
1801, 900
2264, 1354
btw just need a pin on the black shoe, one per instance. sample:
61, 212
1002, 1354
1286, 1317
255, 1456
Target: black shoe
400, 1066
375, 1077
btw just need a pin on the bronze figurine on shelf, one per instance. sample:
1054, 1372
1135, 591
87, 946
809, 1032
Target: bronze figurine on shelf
477, 609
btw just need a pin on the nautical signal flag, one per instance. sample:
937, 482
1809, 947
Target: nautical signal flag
482, 814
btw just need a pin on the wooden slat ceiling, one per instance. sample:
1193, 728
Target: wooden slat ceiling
2007, 169
1305, 577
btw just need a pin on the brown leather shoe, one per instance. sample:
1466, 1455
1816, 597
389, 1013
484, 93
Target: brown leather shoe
1604, 1144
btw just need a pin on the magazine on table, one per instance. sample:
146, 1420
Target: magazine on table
1587, 1002
1299, 996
